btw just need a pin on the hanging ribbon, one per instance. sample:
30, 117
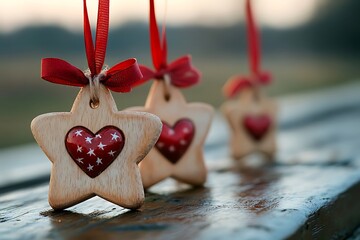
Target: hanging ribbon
181, 72
119, 78
237, 83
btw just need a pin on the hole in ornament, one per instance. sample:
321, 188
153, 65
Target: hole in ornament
94, 104
167, 83
256, 94
167, 97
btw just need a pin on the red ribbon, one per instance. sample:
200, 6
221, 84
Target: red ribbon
181, 72
237, 83
120, 78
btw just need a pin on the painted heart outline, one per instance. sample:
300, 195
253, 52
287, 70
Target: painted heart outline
94, 153
175, 141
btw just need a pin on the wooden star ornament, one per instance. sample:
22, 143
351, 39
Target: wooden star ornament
179, 151
252, 117
119, 182
94, 148
252, 122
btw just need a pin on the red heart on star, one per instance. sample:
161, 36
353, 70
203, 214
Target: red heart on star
174, 141
257, 125
93, 153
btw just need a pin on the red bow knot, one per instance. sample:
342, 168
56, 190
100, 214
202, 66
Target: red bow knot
119, 78
181, 71
238, 83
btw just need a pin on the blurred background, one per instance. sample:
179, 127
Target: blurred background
307, 45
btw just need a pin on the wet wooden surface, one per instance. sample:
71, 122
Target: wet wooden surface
311, 193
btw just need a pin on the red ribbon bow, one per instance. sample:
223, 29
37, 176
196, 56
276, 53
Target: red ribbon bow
120, 78
237, 83
181, 72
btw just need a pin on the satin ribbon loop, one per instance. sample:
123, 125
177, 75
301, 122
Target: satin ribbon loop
238, 83
257, 77
181, 71
253, 40
254, 47
123, 76
61, 72
120, 78
235, 85
265, 78
96, 54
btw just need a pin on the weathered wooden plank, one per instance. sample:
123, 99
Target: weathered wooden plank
335, 220
355, 235
22, 166
311, 193
272, 204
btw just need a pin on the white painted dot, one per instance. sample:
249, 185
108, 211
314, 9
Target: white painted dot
172, 148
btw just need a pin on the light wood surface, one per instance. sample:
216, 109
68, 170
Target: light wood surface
190, 168
241, 143
120, 183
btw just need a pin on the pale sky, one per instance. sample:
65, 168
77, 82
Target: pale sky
15, 14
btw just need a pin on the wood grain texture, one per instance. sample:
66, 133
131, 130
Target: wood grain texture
120, 183
190, 168
271, 204
241, 143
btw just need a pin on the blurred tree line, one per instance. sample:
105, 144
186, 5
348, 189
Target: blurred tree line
326, 49
334, 30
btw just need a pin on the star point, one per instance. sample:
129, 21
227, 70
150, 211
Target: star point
79, 149
101, 146
80, 160
114, 136
111, 153
90, 167
99, 161
89, 139
91, 152
78, 133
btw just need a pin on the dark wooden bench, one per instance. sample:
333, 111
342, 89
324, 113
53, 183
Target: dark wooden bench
312, 192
